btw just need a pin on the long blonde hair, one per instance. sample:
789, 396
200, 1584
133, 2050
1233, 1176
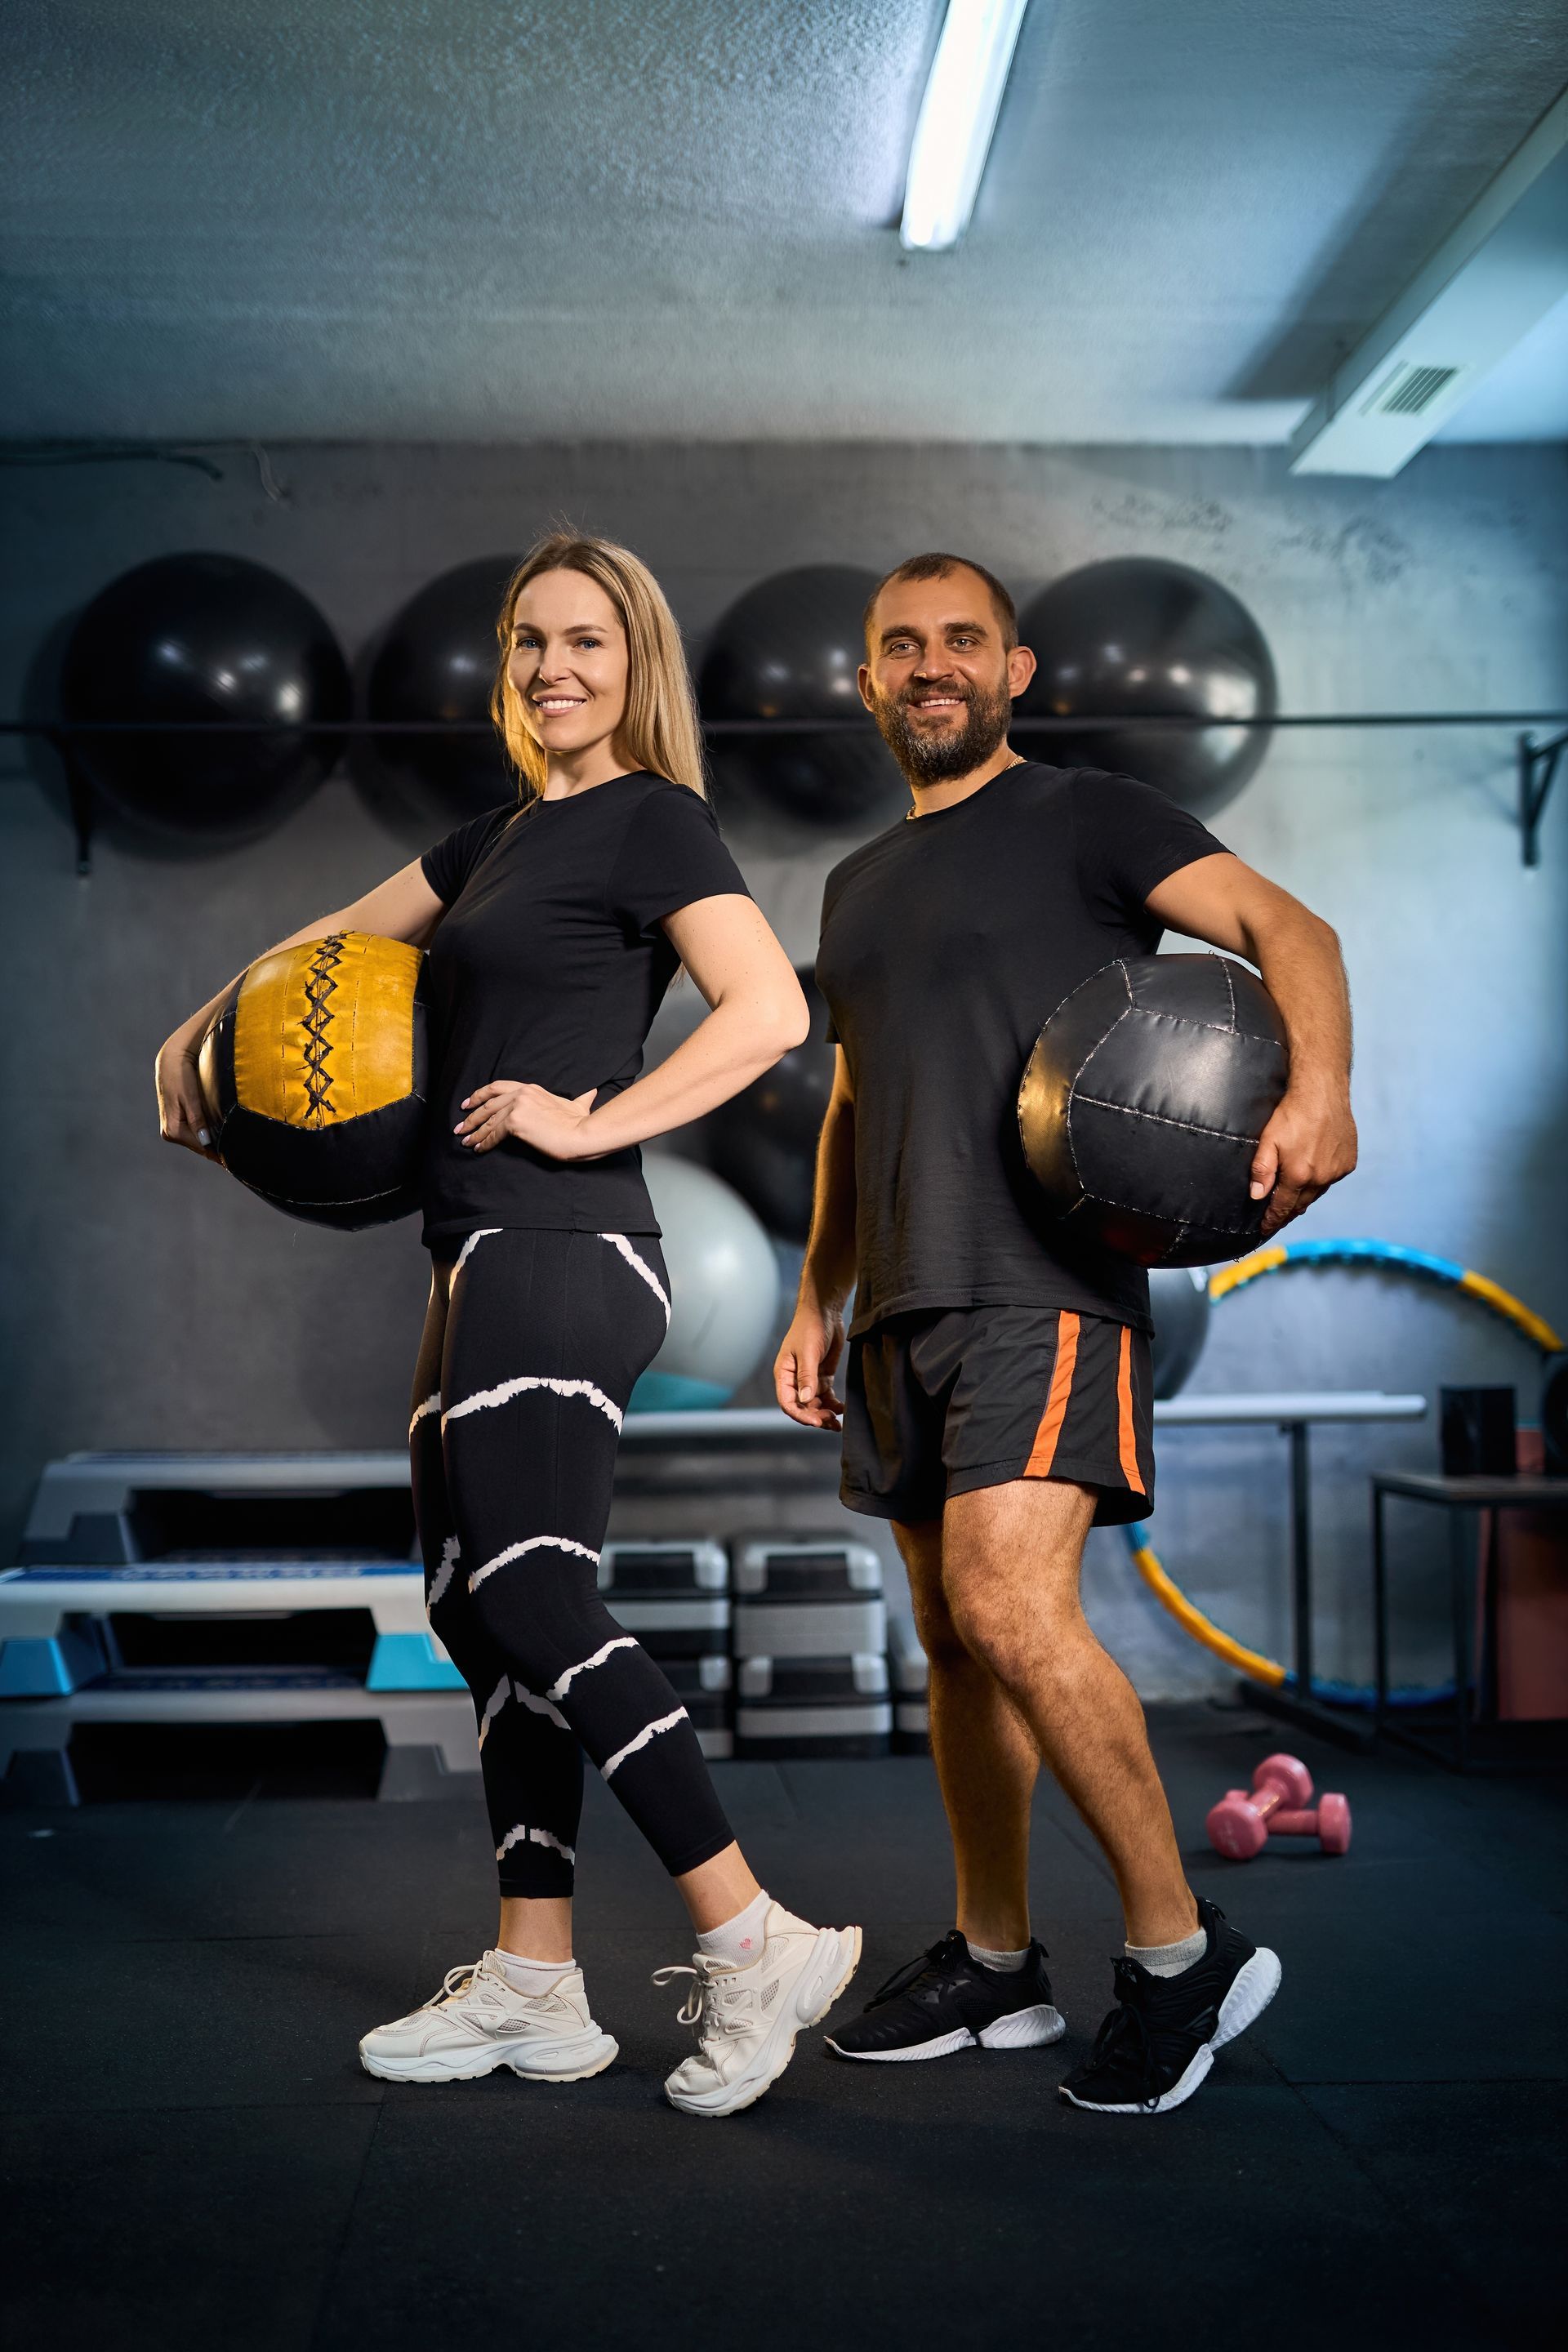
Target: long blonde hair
660, 731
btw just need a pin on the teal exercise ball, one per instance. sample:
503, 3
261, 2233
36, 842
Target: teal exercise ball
723, 1289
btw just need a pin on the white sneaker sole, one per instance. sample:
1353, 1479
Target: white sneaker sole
1021, 2029
1256, 1986
831, 1962
567, 2061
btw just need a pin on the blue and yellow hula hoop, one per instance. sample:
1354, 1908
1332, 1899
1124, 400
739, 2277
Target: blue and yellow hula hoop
1393, 1254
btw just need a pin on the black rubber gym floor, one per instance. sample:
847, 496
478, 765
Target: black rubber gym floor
191, 2153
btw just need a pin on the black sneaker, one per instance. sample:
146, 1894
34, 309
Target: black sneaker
944, 2000
1158, 2044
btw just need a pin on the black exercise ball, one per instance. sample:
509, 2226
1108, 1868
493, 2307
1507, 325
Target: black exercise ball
1179, 1302
315, 1072
1140, 638
1142, 1103
437, 661
763, 1139
789, 648
205, 637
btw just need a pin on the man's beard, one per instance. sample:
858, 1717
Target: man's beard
936, 759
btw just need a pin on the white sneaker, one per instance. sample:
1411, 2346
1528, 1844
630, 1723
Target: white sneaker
479, 2021
747, 2018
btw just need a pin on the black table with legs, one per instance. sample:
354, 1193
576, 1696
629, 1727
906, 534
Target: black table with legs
1463, 1499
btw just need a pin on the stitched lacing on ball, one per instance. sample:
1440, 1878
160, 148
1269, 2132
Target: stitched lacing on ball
320, 984
1130, 1007
1100, 1200
1128, 1111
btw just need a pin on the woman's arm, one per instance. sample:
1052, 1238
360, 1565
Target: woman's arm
403, 906
1310, 1141
757, 1012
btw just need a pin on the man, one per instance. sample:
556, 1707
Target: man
997, 1398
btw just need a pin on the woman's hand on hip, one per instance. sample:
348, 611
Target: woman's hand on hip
556, 1125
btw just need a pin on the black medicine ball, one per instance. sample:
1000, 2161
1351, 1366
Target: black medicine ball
1142, 1103
315, 1074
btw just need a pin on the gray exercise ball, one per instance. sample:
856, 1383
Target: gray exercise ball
723, 1289
1179, 1299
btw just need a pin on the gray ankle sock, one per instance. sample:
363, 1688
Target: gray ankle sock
1170, 1959
1006, 1964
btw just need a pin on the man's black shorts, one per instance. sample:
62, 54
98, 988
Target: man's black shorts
941, 1401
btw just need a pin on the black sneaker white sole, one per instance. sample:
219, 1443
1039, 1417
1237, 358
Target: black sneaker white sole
1255, 1986
1021, 2029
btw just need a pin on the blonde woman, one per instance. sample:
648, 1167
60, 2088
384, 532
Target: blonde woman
554, 924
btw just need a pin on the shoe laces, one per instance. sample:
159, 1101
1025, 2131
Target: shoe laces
904, 1979
710, 2004
455, 1984
1125, 2033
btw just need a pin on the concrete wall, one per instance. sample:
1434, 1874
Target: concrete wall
150, 1303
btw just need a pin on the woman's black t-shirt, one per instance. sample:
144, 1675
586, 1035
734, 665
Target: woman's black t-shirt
549, 966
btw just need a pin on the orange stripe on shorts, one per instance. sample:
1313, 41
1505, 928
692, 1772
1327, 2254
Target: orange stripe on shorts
1126, 1442
1043, 1451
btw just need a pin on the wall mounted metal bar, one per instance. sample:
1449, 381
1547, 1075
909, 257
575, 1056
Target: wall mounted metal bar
1537, 762
1537, 774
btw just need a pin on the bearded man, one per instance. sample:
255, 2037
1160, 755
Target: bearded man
996, 1390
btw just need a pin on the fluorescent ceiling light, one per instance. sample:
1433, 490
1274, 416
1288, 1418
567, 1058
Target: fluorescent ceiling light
1489, 285
957, 116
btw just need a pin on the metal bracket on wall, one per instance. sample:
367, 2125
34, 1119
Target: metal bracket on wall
83, 799
1537, 773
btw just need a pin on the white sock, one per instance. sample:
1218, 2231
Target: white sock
1170, 1959
532, 1976
1006, 1964
740, 1940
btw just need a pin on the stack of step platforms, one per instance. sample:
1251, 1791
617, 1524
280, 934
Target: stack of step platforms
811, 1637
675, 1598
912, 1710
227, 1589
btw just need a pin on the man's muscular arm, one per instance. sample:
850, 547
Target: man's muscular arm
805, 1365
1310, 1141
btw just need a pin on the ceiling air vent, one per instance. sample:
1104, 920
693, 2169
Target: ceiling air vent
1497, 274
1410, 389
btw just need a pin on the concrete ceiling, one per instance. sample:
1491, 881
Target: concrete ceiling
457, 220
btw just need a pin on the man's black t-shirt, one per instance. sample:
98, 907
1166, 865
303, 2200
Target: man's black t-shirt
549, 965
947, 943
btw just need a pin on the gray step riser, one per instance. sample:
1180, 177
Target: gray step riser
32, 1608
861, 1718
406, 1719
764, 1628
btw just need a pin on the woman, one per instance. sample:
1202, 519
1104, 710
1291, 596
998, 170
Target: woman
554, 927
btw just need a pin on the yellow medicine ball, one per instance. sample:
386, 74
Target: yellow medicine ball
315, 1071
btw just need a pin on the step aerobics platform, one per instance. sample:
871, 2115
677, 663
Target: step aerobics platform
244, 1588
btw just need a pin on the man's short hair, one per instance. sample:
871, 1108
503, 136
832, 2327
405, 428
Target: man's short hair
936, 566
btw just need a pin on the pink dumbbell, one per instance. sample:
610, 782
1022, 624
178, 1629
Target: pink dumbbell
1241, 1823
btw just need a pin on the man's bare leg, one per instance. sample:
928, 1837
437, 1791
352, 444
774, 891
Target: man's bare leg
985, 1757
1011, 1558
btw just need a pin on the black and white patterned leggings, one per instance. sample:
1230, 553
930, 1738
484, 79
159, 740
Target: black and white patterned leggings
532, 1343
